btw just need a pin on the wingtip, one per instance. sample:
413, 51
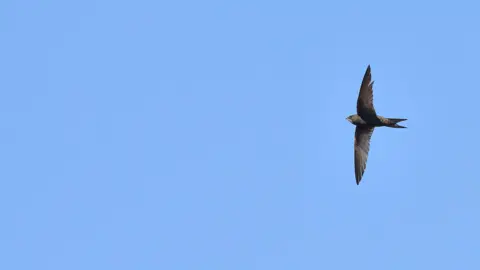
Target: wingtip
367, 72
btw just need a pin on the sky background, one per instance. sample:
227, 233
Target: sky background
212, 135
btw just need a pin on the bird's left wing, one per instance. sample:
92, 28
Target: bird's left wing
362, 146
365, 108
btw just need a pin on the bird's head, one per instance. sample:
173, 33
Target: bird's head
349, 119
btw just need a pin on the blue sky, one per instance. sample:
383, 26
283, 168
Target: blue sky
212, 135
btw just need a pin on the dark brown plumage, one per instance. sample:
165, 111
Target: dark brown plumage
365, 121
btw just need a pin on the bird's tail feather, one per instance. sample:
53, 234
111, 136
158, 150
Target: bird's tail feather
394, 122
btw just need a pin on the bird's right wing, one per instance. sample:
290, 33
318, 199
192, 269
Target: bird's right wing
362, 146
365, 107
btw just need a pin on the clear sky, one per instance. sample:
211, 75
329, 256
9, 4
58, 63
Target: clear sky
212, 135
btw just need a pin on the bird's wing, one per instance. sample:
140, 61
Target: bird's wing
362, 146
365, 107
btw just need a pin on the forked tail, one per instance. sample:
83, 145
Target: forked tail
394, 122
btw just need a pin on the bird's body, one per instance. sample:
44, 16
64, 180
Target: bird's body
365, 121
379, 122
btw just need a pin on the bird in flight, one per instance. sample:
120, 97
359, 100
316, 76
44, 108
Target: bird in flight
365, 121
